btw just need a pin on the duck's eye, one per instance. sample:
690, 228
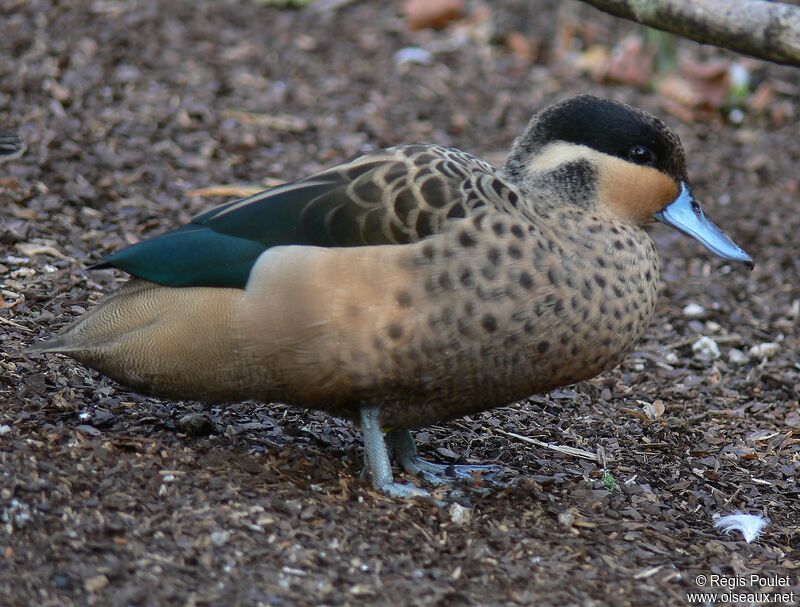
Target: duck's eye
640, 154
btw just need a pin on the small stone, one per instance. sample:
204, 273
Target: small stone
5, 429
566, 519
195, 424
459, 514
95, 583
737, 357
765, 350
219, 538
706, 349
61, 581
413, 54
693, 310
89, 430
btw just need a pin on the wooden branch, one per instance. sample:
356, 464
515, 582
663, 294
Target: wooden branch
767, 30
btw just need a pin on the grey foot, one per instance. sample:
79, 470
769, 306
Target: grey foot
376, 459
405, 452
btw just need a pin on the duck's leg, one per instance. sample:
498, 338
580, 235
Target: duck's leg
376, 458
405, 452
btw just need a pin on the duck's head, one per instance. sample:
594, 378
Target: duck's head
617, 160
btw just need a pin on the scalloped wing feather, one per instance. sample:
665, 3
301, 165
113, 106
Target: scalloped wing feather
395, 196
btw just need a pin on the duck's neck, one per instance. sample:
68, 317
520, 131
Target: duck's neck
569, 186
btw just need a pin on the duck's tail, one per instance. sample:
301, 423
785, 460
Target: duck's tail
159, 340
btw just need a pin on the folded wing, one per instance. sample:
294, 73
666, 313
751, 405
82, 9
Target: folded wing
395, 196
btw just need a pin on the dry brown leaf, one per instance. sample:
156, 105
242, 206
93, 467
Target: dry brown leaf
435, 14
631, 62
29, 249
655, 409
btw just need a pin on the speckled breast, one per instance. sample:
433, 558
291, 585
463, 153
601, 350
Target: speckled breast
504, 309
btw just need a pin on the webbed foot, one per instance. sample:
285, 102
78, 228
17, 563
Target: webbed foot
404, 451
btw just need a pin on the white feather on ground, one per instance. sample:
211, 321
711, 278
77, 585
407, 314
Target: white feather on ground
750, 525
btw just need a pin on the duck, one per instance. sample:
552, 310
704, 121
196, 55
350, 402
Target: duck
410, 286
11, 146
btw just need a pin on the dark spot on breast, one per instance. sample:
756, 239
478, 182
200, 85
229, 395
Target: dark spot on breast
617, 313
553, 277
514, 252
494, 256
469, 308
594, 228
489, 272
428, 252
618, 245
484, 294
448, 316
528, 328
601, 282
526, 281
466, 278
431, 286
601, 262
617, 291
466, 239
395, 331
517, 231
543, 347
588, 289
512, 198
489, 323
445, 281
574, 302
404, 299
605, 342
648, 275
558, 307
499, 228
